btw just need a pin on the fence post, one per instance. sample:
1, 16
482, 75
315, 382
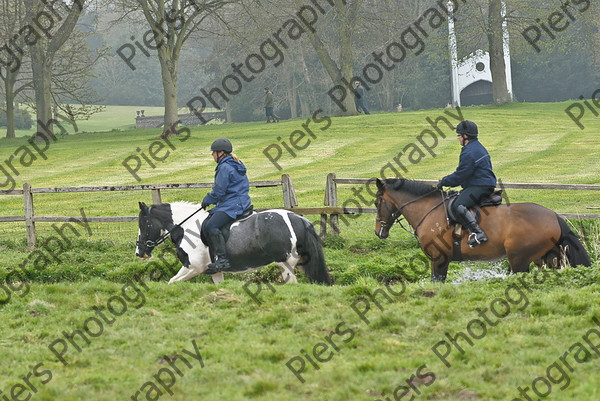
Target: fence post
289, 195
156, 199
331, 200
29, 212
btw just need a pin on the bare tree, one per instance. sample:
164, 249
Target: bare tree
495, 34
72, 71
171, 23
346, 21
11, 20
43, 51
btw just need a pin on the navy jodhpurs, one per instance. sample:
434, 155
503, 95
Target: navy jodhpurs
471, 196
215, 221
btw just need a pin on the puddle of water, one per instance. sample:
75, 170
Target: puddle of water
473, 273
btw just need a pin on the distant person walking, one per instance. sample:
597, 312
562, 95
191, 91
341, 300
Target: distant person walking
359, 98
269, 106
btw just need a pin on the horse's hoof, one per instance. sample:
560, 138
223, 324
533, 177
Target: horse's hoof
211, 271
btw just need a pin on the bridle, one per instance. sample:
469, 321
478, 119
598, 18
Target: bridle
396, 217
153, 244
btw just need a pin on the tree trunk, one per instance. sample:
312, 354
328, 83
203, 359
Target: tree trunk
168, 69
346, 20
346, 30
597, 49
9, 87
228, 116
389, 96
42, 80
306, 106
496, 50
293, 96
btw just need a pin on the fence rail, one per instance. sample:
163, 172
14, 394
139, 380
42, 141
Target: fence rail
329, 213
30, 219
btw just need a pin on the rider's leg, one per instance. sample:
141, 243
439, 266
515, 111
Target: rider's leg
217, 242
477, 235
468, 198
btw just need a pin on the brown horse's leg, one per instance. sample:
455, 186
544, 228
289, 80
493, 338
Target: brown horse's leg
519, 264
439, 269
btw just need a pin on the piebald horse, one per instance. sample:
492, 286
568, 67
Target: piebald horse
270, 236
521, 232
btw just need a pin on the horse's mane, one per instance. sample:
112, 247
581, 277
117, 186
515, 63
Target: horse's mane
412, 187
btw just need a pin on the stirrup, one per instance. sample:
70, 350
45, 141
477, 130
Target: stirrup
214, 270
218, 266
473, 240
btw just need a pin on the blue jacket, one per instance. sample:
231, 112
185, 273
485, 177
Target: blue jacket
230, 190
474, 168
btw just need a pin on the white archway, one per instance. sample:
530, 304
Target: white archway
476, 66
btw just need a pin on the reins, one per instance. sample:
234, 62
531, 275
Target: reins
163, 238
396, 217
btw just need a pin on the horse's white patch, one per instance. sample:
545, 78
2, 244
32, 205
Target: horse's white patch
137, 246
287, 272
294, 240
192, 244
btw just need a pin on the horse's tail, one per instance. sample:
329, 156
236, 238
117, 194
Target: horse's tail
575, 251
311, 250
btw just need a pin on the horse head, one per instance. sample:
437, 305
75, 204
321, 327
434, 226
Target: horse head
150, 230
387, 211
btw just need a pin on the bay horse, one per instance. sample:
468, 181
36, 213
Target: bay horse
270, 236
521, 232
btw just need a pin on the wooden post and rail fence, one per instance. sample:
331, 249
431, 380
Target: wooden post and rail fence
330, 213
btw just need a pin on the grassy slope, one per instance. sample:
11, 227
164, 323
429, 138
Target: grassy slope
528, 143
113, 117
246, 347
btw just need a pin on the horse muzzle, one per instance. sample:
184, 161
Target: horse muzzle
382, 234
145, 254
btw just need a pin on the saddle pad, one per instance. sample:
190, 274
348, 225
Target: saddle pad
494, 199
225, 230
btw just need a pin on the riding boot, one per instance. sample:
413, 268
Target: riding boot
477, 235
222, 262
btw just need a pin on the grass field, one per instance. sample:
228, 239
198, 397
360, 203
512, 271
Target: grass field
246, 346
112, 118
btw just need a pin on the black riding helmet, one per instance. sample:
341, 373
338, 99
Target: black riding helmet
221, 145
468, 128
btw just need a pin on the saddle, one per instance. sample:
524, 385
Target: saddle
494, 199
225, 230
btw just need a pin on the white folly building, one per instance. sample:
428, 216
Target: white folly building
472, 76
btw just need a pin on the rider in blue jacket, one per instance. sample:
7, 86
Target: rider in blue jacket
474, 173
230, 195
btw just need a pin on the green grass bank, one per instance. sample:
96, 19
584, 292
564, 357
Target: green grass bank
246, 345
